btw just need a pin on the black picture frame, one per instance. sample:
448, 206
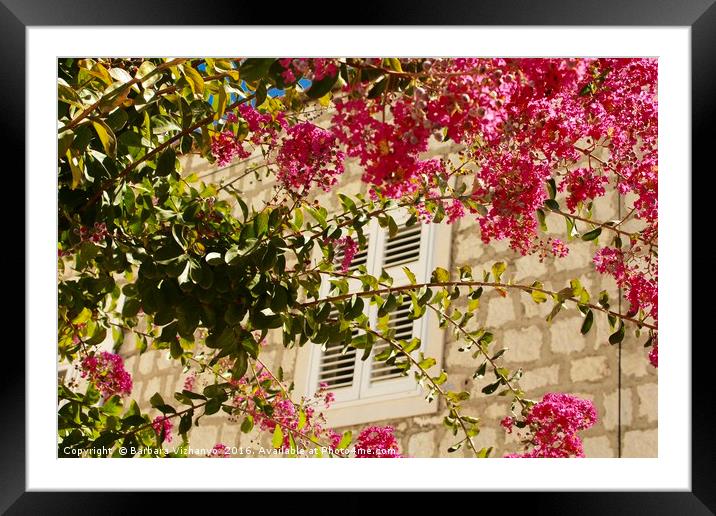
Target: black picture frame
699, 15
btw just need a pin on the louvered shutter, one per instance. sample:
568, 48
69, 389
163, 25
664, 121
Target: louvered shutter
407, 248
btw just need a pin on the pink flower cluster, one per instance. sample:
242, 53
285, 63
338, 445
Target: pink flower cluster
388, 151
106, 372
225, 147
377, 442
163, 424
308, 157
190, 382
372, 442
349, 248
313, 69
636, 276
221, 451
559, 248
582, 184
520, 120
554, 423
95, 234
263, 128
654, 354
282, 410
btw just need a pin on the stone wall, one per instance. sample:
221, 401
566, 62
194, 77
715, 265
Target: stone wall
556, 357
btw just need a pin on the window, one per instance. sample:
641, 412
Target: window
370, 390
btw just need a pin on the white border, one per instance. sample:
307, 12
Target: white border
670, 471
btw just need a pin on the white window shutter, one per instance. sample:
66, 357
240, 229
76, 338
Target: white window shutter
407, 248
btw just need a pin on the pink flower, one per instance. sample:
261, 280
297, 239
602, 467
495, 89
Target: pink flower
455, 210
190, 382
106, 372
349, 247
554, 423
308, 157
221, 451
559, 249
288, 76
328, 399
225, 148
163, 424
610, 261
654, 354
507, 423
377, 442
582, 184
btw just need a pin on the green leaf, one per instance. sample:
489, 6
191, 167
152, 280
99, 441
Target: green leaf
617, 336
345, 440
591, 235
410, 275
541, 219
212, 406
195, 80
354, 307
440, 275
319, 215
497, 269
537, 296
552, 204
392, 63
297, 219
455, 447
166, 162
480, 372
214, 259
301, 419
489, 389
255, 68
261, 223
319, 88
261, 321
551, 188
241, 364
588, 321
427, 363
277, 440
347, 202
106, 136
156, 400
247, 424
378, 88
131, 307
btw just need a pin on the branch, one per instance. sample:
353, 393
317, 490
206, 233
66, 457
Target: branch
525, 288
602, 225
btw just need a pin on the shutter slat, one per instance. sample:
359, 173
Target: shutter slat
404, 247
335, 362
341, 370
329, 376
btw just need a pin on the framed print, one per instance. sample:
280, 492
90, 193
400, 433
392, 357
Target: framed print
436, 244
